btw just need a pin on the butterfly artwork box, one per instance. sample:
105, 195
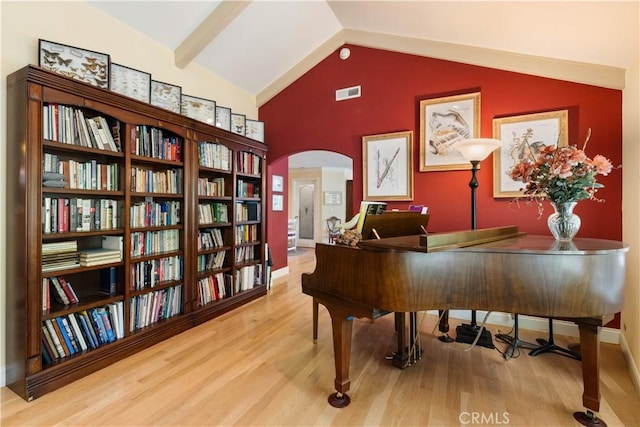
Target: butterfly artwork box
80, 64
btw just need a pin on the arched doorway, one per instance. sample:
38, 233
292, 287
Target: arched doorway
318, 189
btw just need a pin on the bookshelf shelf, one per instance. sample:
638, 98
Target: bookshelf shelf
90, 169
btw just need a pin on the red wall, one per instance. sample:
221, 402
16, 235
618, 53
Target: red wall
305, 116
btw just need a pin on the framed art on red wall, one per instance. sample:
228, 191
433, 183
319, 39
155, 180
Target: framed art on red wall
523, 137
443, 122
387, 166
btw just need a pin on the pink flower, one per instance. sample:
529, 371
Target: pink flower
602, 164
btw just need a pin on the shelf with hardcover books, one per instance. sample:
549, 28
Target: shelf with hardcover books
248, 232
82, 199
117, 229
157, 188
214, 192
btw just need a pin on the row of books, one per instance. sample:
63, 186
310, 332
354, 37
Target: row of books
85, 330
60, 289
248, 163
211, 261
64, 215
89, 175
246, 233
208, 213
60, 255
248, 211
248, 189
151, 142
212, 288
212, 155
211, 187
245, 253
152, 307
145, 243
247, 277
153, 214
167, 181
69, 125
148, 274
210, 238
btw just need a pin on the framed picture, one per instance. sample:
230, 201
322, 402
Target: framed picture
333, 198
238, 123
167, 96
254, 129
277, 202
203, 110
444, 121
80, 64
130, 82
387, 166
277, 183
522, 138
223, 118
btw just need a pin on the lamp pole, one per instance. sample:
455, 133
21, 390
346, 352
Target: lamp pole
473, 184
475, 151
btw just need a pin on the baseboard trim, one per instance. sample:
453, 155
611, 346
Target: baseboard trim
634, 372
560, 327
281, 272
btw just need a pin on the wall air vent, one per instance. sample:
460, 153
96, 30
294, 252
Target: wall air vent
348, 93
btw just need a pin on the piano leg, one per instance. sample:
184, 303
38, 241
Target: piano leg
315, 321
590, 346
401, 357
342, 325
443, 326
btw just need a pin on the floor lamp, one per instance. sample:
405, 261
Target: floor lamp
475, 151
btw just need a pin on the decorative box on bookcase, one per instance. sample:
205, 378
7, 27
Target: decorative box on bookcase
107, 247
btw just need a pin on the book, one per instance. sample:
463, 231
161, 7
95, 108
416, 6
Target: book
65, 341
71, 333
48, 342
77, 331
108, 281
88, 329
68, 290
106, 321
59, 295
56, 338
47, 353
98, 326
369, 208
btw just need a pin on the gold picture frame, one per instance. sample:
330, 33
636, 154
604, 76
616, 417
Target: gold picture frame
524, 136
388, 166
444, 121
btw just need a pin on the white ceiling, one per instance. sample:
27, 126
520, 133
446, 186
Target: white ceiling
252, 44
262, 46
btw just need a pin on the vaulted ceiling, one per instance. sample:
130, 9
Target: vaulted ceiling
262, 46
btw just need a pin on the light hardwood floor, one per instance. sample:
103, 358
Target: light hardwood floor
258, 366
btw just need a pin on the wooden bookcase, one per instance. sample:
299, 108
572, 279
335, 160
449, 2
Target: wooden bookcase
154, 230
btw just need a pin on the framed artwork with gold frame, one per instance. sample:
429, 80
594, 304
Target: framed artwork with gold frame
387, 166
443, 122
523, 137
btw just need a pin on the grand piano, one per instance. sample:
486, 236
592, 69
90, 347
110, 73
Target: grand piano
496, 269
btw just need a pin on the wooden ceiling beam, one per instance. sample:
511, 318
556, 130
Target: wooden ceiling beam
208, 30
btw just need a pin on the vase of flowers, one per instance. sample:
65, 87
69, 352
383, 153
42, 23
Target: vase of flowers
563, 223
564, 176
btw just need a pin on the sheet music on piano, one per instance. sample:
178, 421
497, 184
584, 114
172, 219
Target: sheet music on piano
394, 224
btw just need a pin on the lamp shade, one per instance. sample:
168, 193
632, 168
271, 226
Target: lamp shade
477, 149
